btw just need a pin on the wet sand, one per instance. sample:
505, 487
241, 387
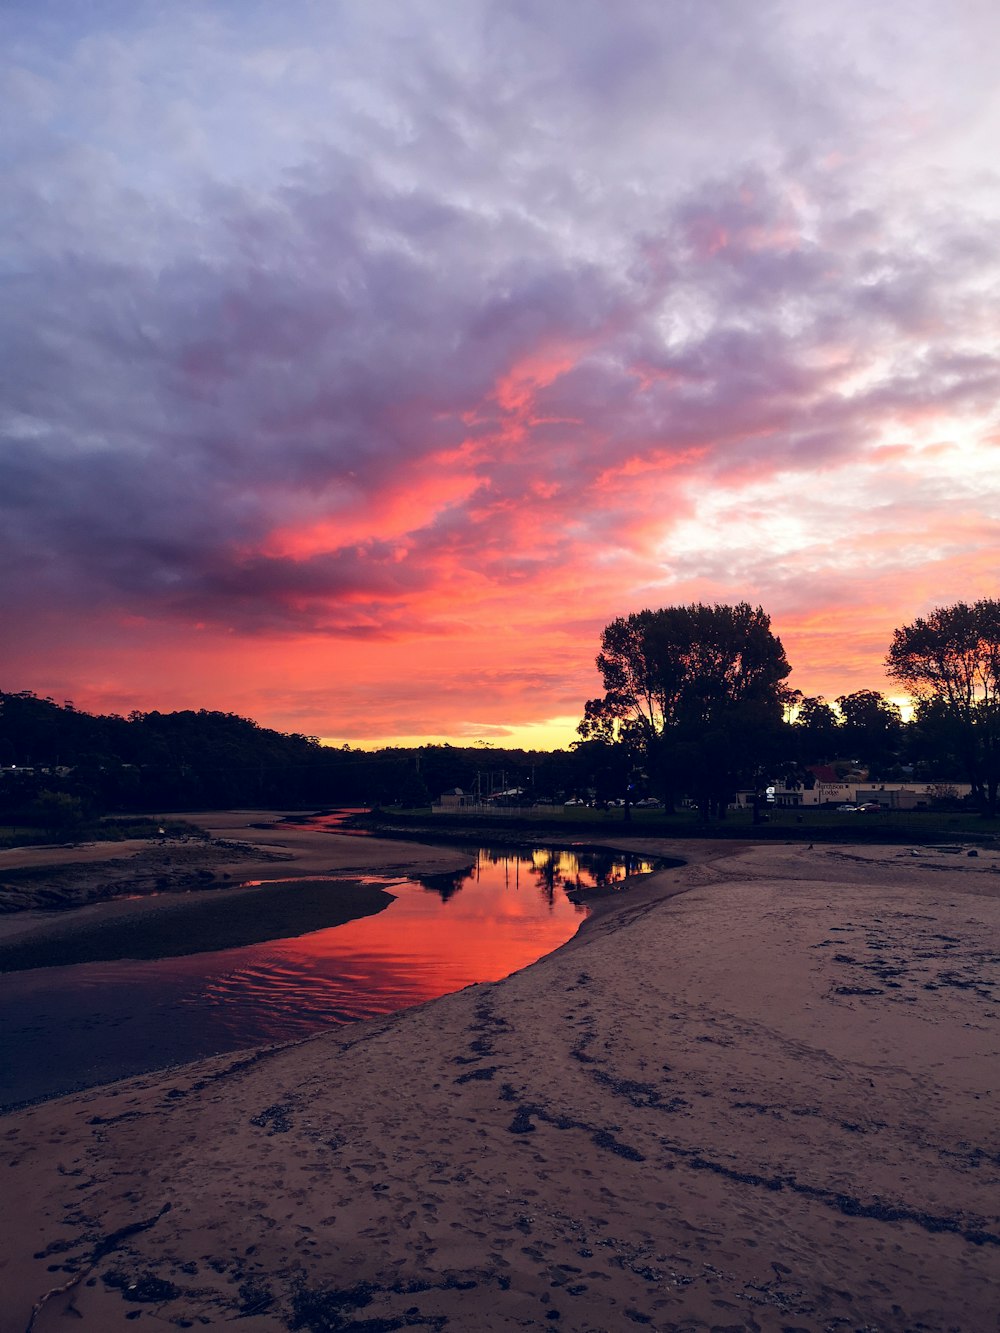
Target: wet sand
151, 897
179, 925
758, 1092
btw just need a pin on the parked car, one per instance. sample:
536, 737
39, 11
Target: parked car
648, 803
847, 809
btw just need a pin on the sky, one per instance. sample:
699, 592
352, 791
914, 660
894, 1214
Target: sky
360, 360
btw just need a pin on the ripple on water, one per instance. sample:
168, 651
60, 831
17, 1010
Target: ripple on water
64, 1028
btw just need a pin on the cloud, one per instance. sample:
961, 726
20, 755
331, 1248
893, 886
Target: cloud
392, 327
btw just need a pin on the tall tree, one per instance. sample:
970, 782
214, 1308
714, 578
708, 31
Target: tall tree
872, 730
949, 661
817, 731
700, 686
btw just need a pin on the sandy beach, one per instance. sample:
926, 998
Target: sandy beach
754, 1092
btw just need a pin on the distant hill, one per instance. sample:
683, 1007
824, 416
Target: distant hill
213, 760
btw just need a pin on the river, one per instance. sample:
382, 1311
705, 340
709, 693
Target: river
67, 1028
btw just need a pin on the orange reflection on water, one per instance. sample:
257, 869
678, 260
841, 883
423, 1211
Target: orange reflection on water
439, 935
572, 870
442, 933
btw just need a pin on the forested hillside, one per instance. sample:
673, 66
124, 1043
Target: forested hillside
202, 760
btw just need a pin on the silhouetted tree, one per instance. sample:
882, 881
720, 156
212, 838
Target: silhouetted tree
872, 730
59, 813
817, 731
949, 661
603, 766
934, 744
698, 685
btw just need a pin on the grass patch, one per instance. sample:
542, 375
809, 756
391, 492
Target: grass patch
807, 825
112, 828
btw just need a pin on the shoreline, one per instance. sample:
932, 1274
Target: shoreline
756, 1091
179, 925
130, 885
312, 895
137, 899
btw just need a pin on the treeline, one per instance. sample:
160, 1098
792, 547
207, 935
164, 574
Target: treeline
697, 694
58, 763
696, 707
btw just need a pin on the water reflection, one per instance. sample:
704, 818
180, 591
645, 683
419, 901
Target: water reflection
446, 885
99, 1021
326, 821
575, 872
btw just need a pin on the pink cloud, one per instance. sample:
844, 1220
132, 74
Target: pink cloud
367, 399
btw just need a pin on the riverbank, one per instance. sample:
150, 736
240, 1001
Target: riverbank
183, 976
756, 1093
159, 897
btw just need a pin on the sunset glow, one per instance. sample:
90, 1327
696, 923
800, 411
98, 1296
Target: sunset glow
363, 361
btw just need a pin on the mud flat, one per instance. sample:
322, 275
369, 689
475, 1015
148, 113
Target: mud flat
757, 1092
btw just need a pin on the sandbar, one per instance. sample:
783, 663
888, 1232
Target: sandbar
153, 897
757, 1091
